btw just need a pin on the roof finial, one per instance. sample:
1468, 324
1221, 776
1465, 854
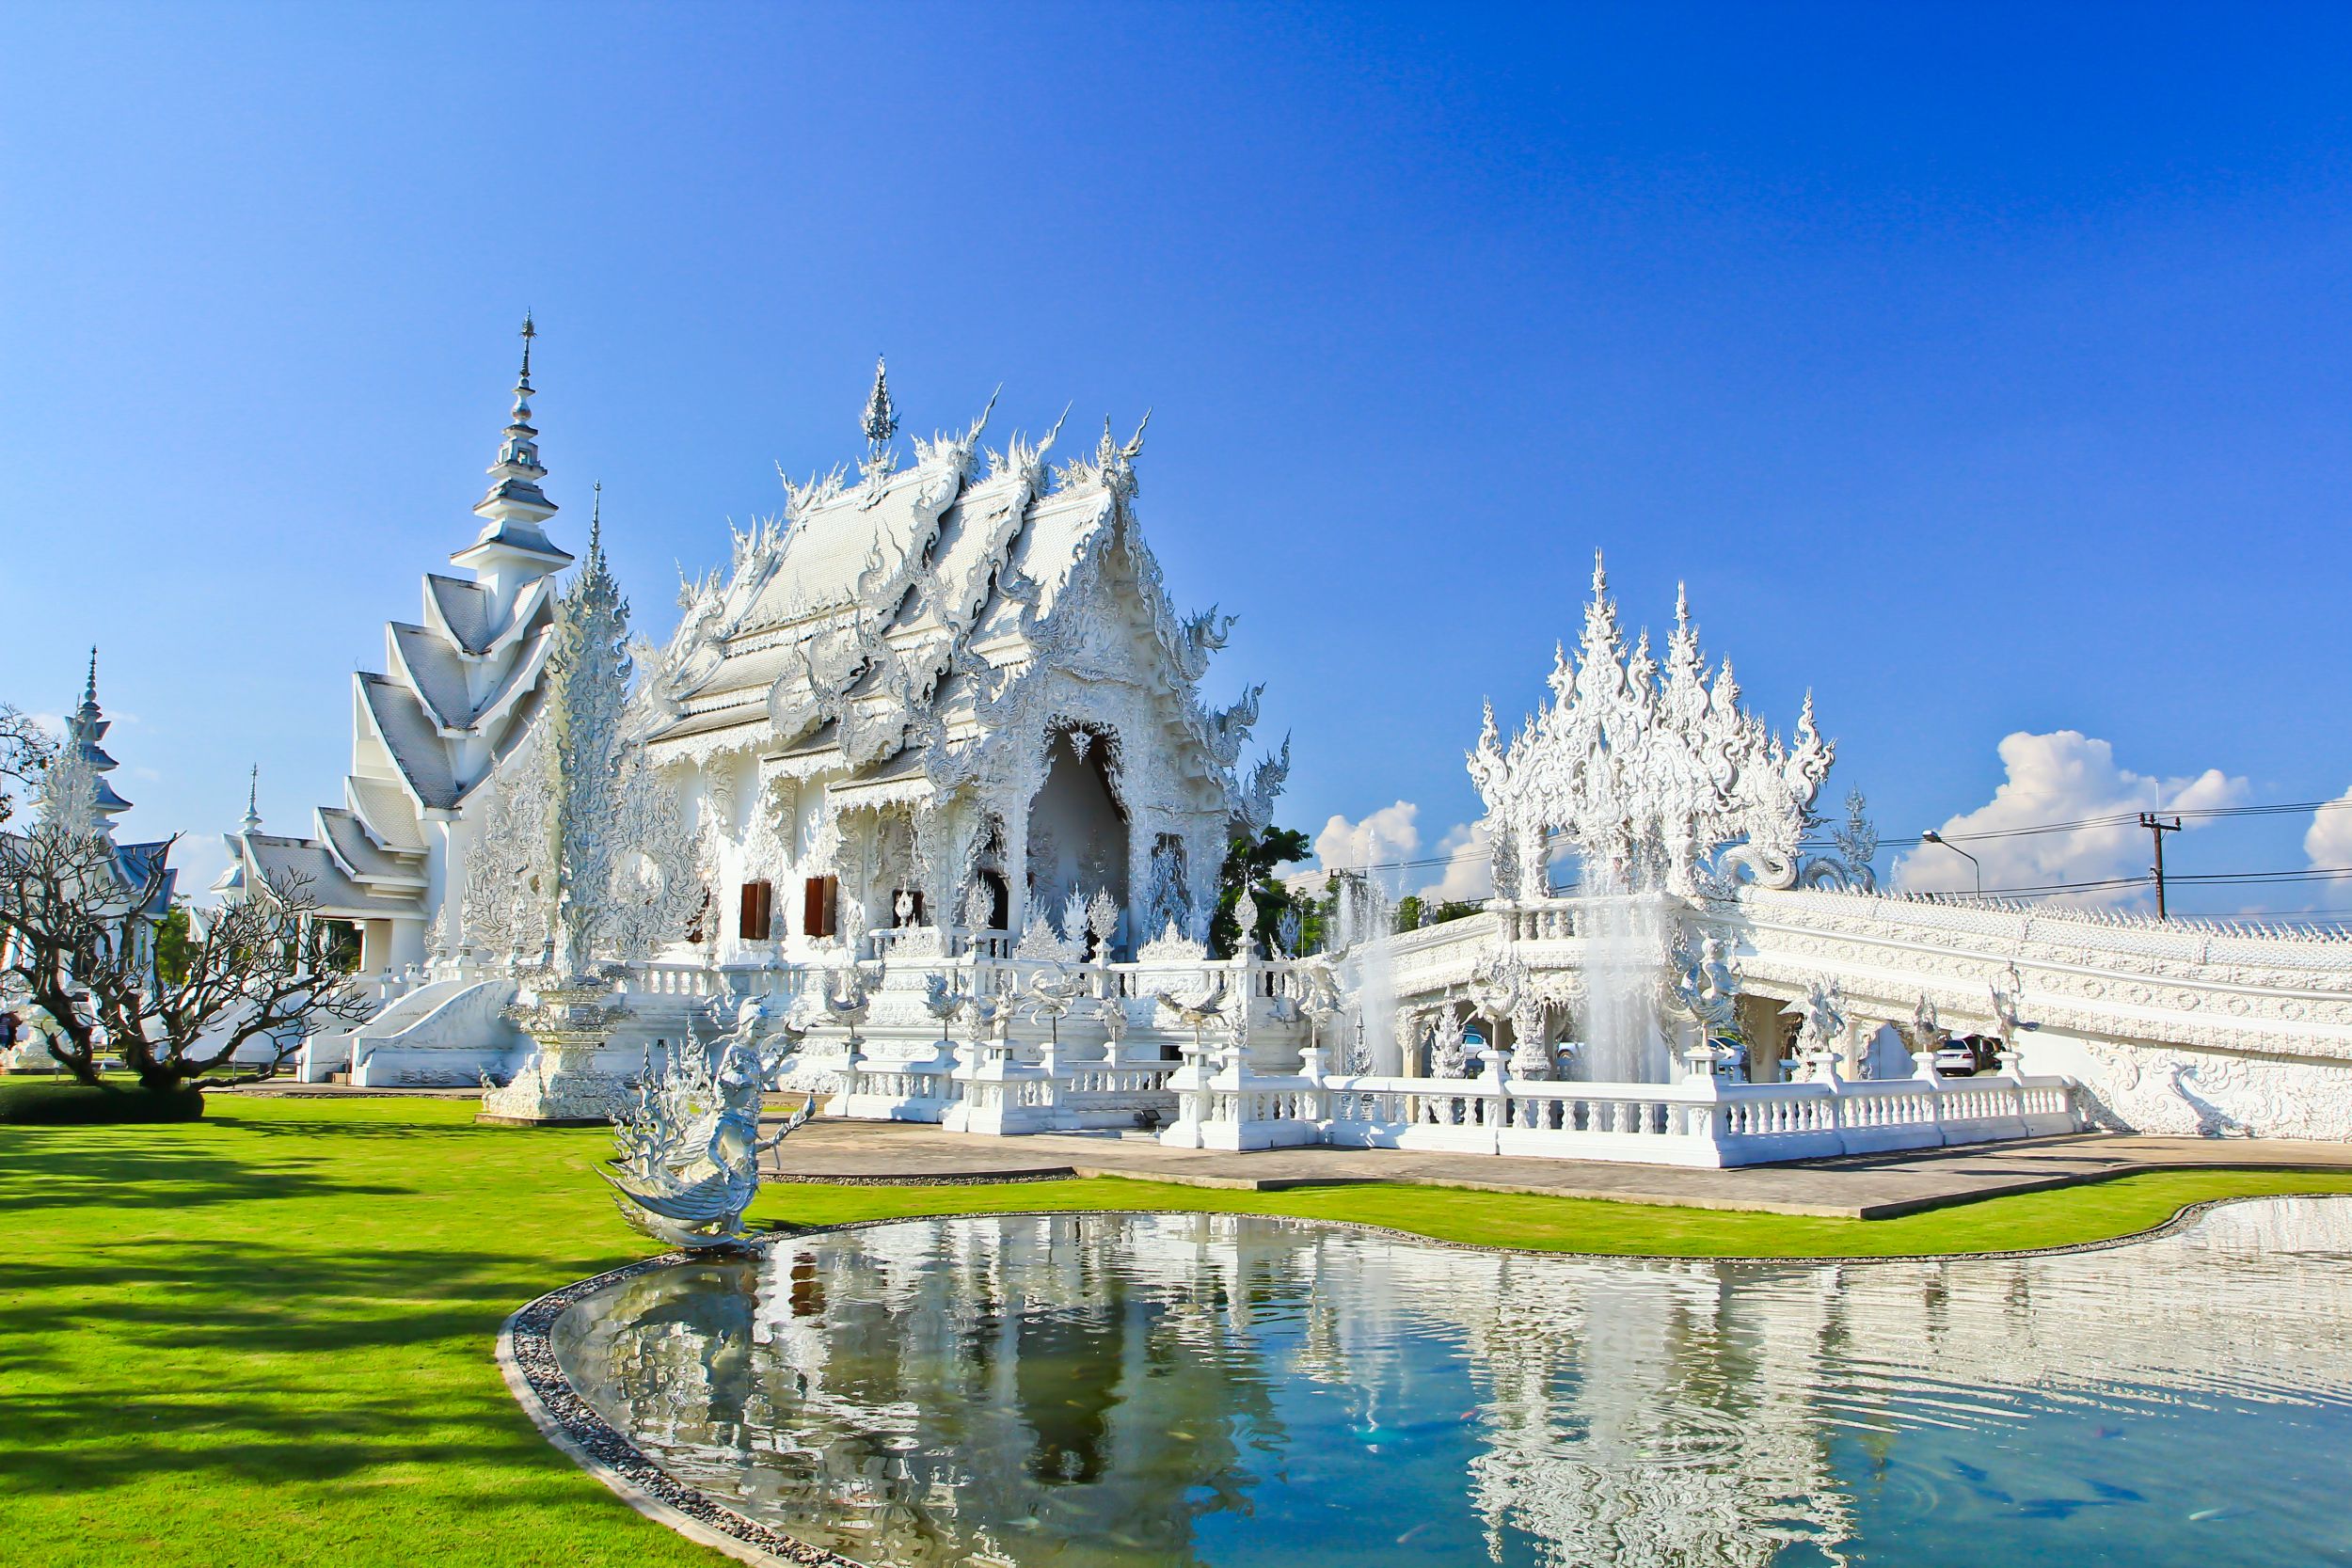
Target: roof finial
89, 692
882, 418
514, 503
595, 522
252, 801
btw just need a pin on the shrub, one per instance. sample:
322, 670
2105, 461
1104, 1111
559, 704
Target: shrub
48, 1102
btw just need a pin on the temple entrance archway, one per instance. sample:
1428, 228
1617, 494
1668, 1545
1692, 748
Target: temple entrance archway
1078, 837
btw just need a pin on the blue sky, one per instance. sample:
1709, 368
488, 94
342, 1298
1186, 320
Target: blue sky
1983, 370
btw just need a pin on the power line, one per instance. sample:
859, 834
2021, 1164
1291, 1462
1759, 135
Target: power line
2131, 818
2115, 819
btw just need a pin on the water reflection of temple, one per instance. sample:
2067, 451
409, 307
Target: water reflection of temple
1124, 1388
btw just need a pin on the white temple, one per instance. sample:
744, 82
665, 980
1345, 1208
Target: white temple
927, 770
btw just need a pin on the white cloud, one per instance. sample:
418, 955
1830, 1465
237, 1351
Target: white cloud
1387, 835
2329, 840
1391, 834
2064, 776
1469, 875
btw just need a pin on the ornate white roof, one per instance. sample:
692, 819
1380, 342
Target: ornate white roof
903, 613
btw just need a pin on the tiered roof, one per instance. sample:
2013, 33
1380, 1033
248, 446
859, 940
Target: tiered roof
458, 690
135, 863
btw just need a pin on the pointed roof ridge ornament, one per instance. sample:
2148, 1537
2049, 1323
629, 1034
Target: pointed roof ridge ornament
595, 524
252, 801
520, 417
90, 690
1600, 576
1682, 606
880, 421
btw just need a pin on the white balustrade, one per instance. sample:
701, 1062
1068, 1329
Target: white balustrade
1690, 1123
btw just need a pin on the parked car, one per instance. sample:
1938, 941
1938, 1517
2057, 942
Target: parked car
1968, 1056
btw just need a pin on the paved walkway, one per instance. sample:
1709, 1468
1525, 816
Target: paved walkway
1876, 1186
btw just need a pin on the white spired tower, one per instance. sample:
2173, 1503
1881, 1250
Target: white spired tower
458, 689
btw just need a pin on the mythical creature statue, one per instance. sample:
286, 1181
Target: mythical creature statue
1703, 992
1209, 1009
845, 999
1054, 993
1705, 986
1925, 1035
1821, 1027
942, 999
2008, 993
688, 1147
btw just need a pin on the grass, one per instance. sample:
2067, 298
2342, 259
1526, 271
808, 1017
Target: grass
264, 1338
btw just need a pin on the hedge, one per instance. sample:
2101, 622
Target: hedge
47, 1102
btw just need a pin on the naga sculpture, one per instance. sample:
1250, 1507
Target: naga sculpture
688, 1147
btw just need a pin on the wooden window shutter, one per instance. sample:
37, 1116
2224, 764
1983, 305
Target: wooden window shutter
817, 905
759, 906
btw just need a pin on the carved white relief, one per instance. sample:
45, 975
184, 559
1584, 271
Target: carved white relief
1648, 769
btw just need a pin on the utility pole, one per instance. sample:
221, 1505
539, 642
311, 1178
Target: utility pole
2157, 826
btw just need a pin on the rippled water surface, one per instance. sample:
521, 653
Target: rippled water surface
1217, 1389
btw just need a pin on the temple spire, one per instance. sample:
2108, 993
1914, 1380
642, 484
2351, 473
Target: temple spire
252, 801
83, 731
518, 451
514, 508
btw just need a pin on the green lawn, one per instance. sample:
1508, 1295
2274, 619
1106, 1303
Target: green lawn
265, 1338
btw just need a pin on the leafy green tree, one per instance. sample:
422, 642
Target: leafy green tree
1412, 911
1251, 863
171, 944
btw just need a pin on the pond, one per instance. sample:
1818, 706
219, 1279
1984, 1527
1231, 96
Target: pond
1131, 1389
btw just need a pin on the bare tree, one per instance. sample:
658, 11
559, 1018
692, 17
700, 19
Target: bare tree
61, 912
263, 969
24, 751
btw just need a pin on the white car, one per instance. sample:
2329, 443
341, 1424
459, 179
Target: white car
1956, 1059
